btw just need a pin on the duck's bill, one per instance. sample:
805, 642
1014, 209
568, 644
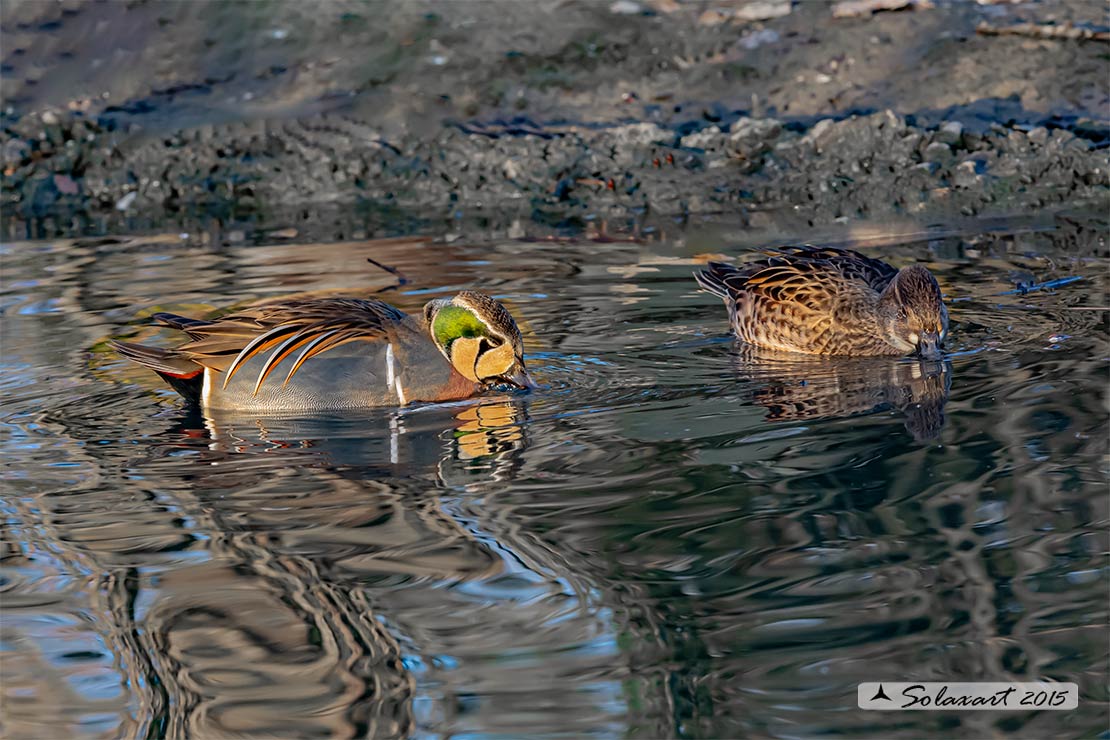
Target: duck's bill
519, 379
929, 348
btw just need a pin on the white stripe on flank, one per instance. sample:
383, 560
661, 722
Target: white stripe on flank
393, 432
392, 378
206, 387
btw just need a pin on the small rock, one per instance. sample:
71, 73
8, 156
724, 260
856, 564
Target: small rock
49, 118
938, 152
641, 134
125, 202
1038, 136
865, 8
626, 7
66, 184
819, 129
752, 129
750, 139
14, 149
762, 11
1062, 136
951, 133
759, 38
712, 17
966, 176
707, 138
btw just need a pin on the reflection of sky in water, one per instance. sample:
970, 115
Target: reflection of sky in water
667, 538
72, 647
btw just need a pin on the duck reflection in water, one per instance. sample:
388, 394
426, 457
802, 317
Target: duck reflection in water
411, 440
794, 387
322, 535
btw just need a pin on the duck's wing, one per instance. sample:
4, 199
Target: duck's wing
851, 264
721, 279
792, 266
310, 326
780, 279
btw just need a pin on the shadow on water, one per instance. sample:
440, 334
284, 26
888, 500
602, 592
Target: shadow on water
669, 539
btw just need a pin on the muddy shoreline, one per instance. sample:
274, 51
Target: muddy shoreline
910, 114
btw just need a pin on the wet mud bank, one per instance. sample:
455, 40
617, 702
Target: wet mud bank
911, 114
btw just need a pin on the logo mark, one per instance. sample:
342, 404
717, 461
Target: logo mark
880, 694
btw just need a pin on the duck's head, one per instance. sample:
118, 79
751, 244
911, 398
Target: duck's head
915, 319
479, 338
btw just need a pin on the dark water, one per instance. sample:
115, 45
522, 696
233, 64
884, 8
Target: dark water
671, 539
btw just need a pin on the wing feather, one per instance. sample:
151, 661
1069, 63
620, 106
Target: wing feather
226, 344
283, 350
312, 326
309, 351
258, 344
853, 265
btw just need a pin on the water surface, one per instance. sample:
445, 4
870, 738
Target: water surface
670, 539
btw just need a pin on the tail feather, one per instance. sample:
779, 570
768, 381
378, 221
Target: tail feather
713, 278
182, 323
185, 376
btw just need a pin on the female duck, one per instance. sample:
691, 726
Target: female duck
826, 301
339, 353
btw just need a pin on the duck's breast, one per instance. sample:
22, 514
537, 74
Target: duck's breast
422, 372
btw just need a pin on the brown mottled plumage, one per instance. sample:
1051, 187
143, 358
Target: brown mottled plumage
826, 301
306, 354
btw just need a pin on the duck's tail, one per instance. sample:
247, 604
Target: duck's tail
185, 376
714, 278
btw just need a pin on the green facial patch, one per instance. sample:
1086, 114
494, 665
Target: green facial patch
455, 322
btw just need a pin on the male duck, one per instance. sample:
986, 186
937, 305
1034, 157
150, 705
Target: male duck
339, 353
826, 301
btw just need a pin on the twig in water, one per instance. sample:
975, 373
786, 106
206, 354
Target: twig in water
401, 279
1023, 289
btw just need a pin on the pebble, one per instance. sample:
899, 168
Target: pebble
952, 132
759, 38
1038, 136
65, 184
125, 202
938, 152
762, 11
965, 175
626, 7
